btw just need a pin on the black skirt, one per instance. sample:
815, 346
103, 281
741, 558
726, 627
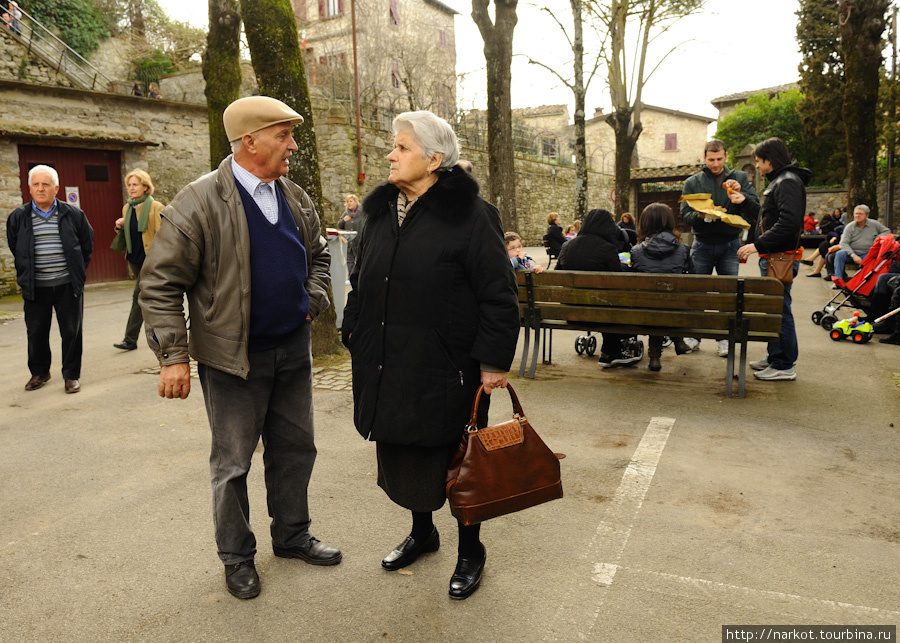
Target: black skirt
414, 477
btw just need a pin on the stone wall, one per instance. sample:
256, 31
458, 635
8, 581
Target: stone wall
12, 53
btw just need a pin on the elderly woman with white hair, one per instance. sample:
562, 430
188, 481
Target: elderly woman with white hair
432, 314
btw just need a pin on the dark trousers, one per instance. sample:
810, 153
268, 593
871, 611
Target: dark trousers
274, 403
135, 317
69, 316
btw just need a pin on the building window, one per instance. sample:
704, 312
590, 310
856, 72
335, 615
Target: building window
331, 8
442, 37
394, 13
395, 74
671, 143
548, 147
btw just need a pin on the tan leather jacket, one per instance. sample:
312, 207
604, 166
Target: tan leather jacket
203, 249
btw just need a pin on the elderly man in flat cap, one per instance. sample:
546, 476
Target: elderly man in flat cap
244, 243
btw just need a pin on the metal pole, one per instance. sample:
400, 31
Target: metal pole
360, 176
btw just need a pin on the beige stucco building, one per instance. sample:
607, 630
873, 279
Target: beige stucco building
406, 52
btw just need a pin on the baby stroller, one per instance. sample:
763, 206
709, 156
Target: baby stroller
856, 291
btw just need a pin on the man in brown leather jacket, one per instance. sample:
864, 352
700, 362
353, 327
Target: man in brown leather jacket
250, 329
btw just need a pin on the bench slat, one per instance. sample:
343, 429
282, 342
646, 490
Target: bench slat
674, 319
653, 300
655, 282
705, 333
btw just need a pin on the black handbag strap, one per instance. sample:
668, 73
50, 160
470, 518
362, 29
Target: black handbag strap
473, 420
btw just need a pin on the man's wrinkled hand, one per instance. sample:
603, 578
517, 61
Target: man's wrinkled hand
175, 381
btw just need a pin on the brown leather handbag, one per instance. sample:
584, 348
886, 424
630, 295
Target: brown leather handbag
501, 469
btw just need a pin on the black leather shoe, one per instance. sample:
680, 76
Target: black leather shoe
409, 550
242, 580
36, 382
890, 339
314, 552
467, 576
125, 346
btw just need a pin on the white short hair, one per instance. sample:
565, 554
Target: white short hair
863, 208
432, 133
44, 168
236, 146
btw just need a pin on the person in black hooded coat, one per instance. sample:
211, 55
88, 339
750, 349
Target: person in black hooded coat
597, 248
433, 312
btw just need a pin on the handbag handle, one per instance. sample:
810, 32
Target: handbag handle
472, 426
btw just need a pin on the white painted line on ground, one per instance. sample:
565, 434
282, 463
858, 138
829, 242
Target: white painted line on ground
575, 617
787, 605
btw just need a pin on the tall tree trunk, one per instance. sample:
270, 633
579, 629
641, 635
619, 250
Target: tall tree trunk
862, 23
627, 135
222, 72
498, 41
278, 62
581, 174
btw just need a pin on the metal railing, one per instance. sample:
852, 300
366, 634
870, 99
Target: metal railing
53, 51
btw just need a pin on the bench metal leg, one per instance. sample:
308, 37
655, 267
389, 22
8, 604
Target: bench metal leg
547, 351
742, 373
729, 365
534, 355
525, 349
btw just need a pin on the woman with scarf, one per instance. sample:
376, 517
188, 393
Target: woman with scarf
137, 226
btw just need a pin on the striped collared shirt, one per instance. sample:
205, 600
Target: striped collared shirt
263, 193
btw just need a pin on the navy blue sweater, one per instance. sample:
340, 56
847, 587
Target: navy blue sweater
279, 302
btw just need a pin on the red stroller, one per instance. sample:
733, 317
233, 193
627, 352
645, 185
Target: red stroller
857, 289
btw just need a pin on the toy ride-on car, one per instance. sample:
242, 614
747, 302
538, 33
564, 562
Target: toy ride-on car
858, 331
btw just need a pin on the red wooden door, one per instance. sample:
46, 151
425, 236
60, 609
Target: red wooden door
98, 176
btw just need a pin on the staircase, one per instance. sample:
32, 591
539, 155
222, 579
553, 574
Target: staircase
44, 44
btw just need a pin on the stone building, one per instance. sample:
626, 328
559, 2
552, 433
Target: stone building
406, 52
669, 138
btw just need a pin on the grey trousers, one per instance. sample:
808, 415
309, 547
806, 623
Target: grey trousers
274, 403
135, 317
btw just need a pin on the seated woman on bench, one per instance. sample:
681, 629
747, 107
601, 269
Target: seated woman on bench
659, 250
597, 248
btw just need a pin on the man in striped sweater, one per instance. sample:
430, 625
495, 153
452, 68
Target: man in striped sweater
51, 242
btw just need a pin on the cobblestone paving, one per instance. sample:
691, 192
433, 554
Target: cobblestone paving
335, 377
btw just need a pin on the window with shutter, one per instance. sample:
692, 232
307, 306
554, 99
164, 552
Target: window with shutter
671, 143
394, 13
395, 74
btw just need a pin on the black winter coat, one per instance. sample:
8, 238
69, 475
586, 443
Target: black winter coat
431, 302
77, 238
663, 253
554, 239
595, 248
781, 217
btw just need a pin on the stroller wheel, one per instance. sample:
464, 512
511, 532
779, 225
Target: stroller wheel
828, 322
837, 335
580, 344
591, 347
817, 317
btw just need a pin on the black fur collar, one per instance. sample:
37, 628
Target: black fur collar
456, 190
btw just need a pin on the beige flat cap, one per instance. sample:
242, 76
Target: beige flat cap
253, 113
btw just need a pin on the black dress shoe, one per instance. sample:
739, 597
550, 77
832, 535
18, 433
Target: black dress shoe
409, 550
125, 346
314, 552
890, 339
36, 382
242, 580
467, 576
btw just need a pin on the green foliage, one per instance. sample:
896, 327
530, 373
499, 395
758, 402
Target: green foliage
822, 85
80, 24
762, 117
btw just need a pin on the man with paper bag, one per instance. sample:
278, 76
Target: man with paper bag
718, 221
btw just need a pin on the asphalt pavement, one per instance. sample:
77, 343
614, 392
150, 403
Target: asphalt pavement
684, 510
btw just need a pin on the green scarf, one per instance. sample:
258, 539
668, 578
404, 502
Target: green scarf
143, 216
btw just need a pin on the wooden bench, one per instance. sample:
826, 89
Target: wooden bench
739, 309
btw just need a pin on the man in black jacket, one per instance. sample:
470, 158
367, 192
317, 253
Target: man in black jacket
716, 243
51, 242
